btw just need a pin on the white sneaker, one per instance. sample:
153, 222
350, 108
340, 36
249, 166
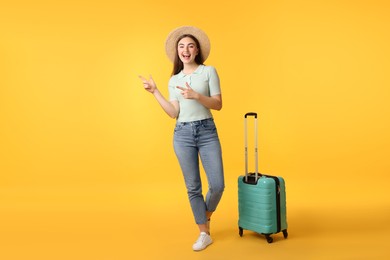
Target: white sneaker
203, 241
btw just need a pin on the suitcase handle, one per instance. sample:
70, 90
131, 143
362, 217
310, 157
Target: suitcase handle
251, 114
246, 146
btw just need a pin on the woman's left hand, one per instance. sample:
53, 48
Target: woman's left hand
188, 93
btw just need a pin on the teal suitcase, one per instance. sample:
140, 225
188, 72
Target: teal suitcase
261, 198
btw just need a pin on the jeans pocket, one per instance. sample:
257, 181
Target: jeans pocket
178, 127
209, 126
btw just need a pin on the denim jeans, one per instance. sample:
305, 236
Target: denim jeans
193, 140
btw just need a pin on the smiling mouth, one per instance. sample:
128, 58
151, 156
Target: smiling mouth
185, 56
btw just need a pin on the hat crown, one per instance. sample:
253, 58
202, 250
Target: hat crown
173, 37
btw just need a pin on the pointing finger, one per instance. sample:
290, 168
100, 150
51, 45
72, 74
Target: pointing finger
142, 78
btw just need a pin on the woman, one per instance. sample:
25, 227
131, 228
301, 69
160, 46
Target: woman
193, 91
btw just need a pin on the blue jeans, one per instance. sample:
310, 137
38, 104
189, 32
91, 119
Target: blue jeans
193, 140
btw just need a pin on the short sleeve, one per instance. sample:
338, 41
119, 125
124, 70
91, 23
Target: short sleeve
214, 83
172, 89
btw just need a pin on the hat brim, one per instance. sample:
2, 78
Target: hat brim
201, 36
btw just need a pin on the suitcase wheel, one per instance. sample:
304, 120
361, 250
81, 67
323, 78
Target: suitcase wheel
240, 231
285, 234
269, 238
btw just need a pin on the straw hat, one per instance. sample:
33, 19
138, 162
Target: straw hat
170, 43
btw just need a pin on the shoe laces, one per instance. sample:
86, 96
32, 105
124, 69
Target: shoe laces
202, 237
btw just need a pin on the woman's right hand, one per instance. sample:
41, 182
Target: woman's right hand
149, 84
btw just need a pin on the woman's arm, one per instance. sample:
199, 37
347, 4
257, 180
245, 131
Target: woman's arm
171, 108
213, 102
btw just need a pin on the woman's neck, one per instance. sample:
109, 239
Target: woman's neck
190, 68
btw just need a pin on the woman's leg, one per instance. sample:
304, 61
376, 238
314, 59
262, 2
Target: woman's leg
187, 153
211, 156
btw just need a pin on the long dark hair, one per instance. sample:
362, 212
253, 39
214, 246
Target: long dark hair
178, 64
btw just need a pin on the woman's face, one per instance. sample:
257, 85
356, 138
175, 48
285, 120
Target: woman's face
187, 50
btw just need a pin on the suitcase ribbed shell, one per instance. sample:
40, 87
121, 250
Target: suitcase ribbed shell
257, 205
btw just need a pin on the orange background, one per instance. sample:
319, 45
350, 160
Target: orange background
87, 169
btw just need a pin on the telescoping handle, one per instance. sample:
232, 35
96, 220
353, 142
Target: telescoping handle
246, 145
